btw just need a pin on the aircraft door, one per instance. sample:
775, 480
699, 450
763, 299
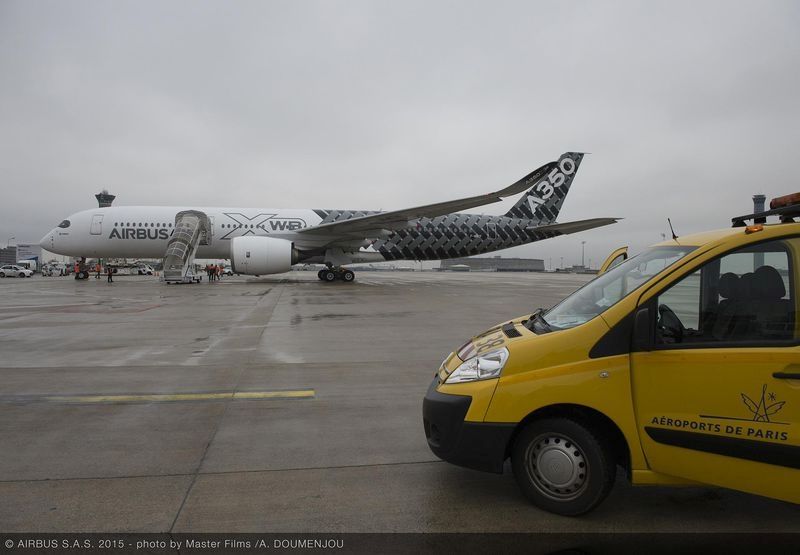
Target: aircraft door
97, 225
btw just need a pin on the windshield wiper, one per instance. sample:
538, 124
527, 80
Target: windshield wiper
537, 324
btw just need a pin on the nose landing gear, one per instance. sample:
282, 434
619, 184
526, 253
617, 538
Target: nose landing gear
332, 274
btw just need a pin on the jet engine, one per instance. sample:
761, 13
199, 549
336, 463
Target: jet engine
257, 256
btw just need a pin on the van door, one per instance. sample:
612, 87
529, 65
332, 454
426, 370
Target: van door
618, 256
97, 225
717, 391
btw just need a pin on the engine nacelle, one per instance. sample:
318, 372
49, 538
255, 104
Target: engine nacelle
258, 256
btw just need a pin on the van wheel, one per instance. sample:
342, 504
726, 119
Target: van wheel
562, 466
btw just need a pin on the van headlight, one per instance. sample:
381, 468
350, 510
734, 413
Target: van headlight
481, 367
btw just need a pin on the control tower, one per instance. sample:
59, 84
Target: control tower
104, 198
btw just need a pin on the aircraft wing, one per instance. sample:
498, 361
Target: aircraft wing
574, 227
401, 218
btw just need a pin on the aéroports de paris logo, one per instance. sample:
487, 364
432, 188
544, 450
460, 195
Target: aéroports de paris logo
767, 405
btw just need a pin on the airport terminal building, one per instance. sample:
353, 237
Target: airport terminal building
494, 264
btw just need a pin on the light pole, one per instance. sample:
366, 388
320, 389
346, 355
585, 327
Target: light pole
8, 242
583, 250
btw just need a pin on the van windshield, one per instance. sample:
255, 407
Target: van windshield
608, 289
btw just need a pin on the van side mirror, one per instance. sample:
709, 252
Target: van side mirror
642, 337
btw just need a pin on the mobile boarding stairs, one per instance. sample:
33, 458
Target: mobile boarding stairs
192, 229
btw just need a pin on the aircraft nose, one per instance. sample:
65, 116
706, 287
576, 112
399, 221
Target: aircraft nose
47, 241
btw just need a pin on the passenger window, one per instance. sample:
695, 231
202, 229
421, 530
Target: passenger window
743, 297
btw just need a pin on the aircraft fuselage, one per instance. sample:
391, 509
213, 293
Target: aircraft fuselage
144, 231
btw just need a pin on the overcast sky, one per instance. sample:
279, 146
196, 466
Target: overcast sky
688, 108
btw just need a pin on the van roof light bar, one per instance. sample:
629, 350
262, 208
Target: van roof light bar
786, 207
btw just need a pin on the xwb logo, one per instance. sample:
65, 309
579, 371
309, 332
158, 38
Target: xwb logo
251, 225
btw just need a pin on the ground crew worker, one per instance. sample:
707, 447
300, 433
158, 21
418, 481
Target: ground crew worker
97, 269
110, 272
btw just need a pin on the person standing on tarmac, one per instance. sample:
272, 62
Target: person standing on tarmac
97, 269
110, 273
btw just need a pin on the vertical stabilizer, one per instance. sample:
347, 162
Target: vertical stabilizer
543, 201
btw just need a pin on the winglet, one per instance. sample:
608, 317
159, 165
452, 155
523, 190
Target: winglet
526, 182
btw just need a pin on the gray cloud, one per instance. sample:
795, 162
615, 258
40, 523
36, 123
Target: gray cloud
688, 107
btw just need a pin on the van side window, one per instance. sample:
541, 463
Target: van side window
746, 296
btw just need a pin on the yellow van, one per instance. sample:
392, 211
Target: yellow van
681, 365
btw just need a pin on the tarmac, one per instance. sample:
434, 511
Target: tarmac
277, 404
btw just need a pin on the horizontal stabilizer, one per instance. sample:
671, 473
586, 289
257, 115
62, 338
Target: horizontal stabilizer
576, 226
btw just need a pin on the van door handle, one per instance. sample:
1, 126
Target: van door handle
791, 372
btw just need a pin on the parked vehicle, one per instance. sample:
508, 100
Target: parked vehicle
681, 365
13, 270
27, 264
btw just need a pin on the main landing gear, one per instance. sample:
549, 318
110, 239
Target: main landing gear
332, 274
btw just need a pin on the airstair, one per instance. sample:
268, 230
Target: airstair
192, 229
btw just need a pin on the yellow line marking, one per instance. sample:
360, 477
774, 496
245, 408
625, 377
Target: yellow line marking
166, 398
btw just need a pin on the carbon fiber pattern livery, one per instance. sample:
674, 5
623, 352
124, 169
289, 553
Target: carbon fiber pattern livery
451, 236
542, 210
458, 235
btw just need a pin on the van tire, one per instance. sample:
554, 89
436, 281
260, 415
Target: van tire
580, 466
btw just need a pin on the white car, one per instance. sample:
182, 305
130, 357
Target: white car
12, 270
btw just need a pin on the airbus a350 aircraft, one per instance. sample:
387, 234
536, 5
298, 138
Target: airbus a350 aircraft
262, 241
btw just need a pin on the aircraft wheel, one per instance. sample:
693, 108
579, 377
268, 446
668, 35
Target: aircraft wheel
329, 275
348, 276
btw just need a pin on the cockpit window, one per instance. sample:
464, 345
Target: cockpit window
64, 224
